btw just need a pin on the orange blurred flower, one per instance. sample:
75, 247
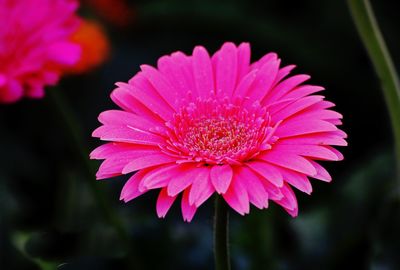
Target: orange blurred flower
95, 46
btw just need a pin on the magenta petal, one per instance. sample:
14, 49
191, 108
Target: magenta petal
202, 187
114, 149
265, 59
298, 180
284, 87
124, 99
178, 69
289, 161
288, 201
182, 180
143, 90
126, 119
225, 67
295, 128
296, 107
236, 196
188, 210
203, 72
283, 72
221, 177
244, 85
268, 171
303, 90
162, 85
243, 61
159, 177
130, 190
256, 191
127, 135
264, 80
274, 192
311, 151
322, 174
147, 161
323, 138
164, 203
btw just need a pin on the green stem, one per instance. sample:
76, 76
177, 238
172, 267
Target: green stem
221, 234
371, 36
70, 123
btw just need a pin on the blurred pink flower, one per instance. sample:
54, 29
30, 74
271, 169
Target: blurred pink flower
198, 125
34, 45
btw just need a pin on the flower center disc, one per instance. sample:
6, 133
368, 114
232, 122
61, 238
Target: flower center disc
219, 132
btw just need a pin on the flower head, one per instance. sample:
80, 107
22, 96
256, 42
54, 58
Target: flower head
198, 125
34, 45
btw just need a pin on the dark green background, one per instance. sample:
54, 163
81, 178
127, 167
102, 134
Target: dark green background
46, 204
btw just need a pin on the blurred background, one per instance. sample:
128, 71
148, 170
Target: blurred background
50, 219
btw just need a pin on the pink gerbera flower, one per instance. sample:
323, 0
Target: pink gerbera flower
198, 125
34, 45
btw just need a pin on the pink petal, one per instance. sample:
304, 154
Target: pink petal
265, 78
255, 189
124, 99
111, 167
225, 67
283, 72
323, 138
236, 196
321, 114
243, 54
221, 177
294, 128
162, 85
203, 72
202, 187
159, 177
113, 149
178, 69
144, 91
164, 203
182, 180
295, 107
114, 164
188, 210
322, 174
312, 151
130, 190
269, 172
299, 181
127, 135
265, 59
289, 201
289, 161
303, 90
274, 192
147, 161
122, 118
244, 85
337, 153
284, 87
